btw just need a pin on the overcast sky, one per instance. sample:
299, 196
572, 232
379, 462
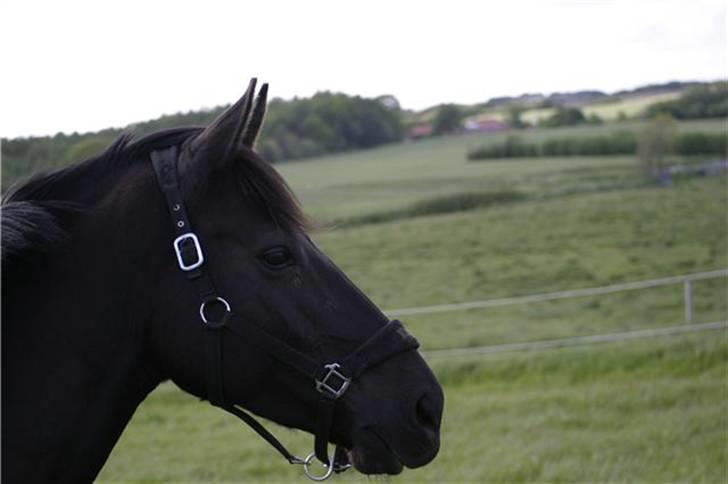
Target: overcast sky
75, 65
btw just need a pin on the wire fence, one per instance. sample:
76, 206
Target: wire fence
576, 341
551, 296
686, 280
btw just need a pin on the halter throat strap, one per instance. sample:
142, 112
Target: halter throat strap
331, 380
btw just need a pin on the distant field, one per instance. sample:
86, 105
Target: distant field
341, 186
630, 107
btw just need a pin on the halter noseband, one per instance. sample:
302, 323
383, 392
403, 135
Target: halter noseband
331, 380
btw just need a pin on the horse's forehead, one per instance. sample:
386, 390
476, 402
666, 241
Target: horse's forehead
226, 209
249, 224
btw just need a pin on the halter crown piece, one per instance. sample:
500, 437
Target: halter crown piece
330, 379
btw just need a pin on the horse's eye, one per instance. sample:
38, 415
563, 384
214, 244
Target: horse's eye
277, 258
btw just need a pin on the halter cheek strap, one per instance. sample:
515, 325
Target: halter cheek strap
330, 379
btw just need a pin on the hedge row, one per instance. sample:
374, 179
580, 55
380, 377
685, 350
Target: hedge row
618, 143
701, 143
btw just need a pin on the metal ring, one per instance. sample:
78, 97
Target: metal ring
176, 207
206, 301
180, 224
329, 468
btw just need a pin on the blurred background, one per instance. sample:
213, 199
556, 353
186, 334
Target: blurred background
537, 189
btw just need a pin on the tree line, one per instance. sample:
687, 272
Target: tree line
332, 122
704, 101
325, 123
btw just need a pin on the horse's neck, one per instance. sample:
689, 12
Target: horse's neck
74, 371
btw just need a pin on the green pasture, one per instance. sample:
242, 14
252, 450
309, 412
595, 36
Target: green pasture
392, 177
647, 410
570, 242
634, 412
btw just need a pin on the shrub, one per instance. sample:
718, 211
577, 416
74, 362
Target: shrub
457, 202
447, 120
656, 143
513, 147
88, 147
595, 119
701, 144
463, 201
654, 139
709, 101
564, 117
618, 143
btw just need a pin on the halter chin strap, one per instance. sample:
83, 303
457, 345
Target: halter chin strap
330, 379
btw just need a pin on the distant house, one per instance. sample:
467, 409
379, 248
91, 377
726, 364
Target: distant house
422, 130
485, 126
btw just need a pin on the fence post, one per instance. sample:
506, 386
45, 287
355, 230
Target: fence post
688, 296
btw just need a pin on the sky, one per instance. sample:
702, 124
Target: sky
77, 65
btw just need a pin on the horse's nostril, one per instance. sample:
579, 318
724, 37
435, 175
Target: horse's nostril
427, 414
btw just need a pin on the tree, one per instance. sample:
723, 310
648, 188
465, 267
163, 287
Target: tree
564, 117
594, 118
87, 148
515, 111
705, 101
447, 120
655, 144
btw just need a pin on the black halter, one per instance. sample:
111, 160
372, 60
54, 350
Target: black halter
330, 380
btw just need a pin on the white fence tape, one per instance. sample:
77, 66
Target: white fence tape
575, 341
592, 291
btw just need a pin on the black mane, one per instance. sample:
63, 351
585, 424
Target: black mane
79, 180
32, 212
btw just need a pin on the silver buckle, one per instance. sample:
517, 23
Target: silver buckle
325, 385
178, 250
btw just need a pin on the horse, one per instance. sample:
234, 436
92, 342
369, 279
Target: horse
183, 255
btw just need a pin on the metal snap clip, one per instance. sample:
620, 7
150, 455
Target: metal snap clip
307, 464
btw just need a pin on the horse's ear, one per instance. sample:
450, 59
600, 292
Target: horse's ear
218, 141
252, 127
215, 146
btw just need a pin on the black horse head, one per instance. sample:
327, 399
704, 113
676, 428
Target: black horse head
96, 311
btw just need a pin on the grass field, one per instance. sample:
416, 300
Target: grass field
565, 243
648, 410
641, 411
338, 187
630, 107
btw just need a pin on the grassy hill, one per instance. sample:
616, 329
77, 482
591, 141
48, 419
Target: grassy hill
629, 106
647, 410
612, 108
397, 176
